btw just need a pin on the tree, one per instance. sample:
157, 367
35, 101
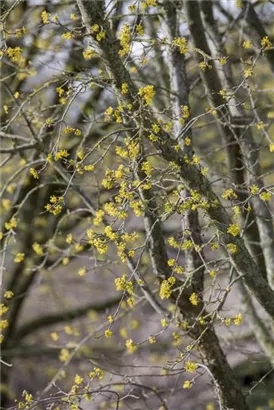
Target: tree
137, 201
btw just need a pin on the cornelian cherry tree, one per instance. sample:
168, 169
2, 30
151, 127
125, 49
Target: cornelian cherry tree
137, 241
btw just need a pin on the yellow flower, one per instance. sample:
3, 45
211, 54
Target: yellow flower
67, 36
6, 204
271, 147
89, 167
88, 53
238, 319
45, 17
152, 339
37, 249
140, 30
82, 271
147, 93
97, 372
54, 336
164, 322
229, 194
145, 4
28, 396
266, 43
247, 44
223, 60
19, 257
108, 333
125, 38
98, 217
254, 189
78, 379
3, 309
15, 54
165, 288
147, 168
234, 229
187, 141
248, 72
187, 384
4, 324
179, 270
12, 223
124, 88
34, 173
171, 262
65, 261
232, 248
61, 154
8, 294
64, 355
194, 300
131, 347
190, 366
260, 125
181, 44
265, 196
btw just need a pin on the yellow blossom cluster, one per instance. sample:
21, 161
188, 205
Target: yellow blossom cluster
181, 44
191, 366
19, 257
61, 154
238, 319
131, 151
3, 309
187, 384
20, 32
176, 268
232, 248
98, 217
124, 284
34, 173
140, 30
194, 300
76, 131
266, 43
97, 372
166, 287
108, 333
67, 36
15, 55
98, 32
247, 44
125, 38
54, 206
147, 93
229, 194
88, 54
266, 196
8, 294
45, 16
254, 189
234, 229
147, 168
11, 224
130, 345
204, 65
37, 249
